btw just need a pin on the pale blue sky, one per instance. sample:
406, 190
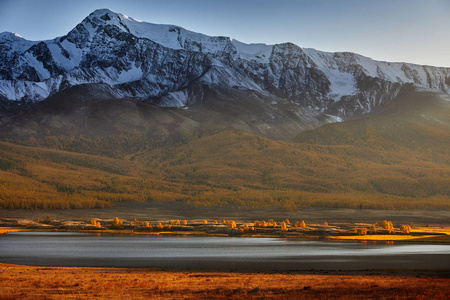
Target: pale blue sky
416, 31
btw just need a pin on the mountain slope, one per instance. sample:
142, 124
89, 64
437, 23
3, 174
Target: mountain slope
396, 159
174, 67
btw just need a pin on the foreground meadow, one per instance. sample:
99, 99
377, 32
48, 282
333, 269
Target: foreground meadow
24, 282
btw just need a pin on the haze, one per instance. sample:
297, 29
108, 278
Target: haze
402, 30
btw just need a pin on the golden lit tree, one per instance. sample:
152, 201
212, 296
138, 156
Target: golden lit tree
406, 229
283, 226
117, 223
231, 224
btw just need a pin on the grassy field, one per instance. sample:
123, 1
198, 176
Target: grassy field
23, 282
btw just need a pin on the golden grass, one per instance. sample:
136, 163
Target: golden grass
442, 230
23, 282
381, 237
4, 230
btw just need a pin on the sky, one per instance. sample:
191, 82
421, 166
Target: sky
414, 31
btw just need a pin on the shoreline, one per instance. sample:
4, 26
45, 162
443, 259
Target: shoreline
231, 228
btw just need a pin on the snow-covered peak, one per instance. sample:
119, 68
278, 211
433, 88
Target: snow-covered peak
11, 37
13, 42
170, 36
258, 51
6, 35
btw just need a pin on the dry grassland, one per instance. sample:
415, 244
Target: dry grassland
23, 282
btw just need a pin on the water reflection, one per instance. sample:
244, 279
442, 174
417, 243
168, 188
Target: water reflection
227, 253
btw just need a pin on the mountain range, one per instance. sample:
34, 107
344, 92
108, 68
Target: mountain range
209, 117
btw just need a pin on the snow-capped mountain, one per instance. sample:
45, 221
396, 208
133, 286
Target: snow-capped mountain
173, 67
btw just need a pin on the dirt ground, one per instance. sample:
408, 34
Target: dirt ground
24, 282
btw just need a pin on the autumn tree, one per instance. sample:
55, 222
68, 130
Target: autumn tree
283, 226
231, 224
406, 229
117, 223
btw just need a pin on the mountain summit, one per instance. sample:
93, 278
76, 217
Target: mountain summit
170, 66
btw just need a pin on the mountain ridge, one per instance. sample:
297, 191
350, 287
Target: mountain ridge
170, 66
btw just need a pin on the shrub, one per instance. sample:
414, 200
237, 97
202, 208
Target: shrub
215, 222
184, 222
263, 224
373, 229
178, 222
386, 225
302, 224
160, 226
231, 224
116, 223
224, 222
245, 227
406, 229
325, 224
205, 221
95, 223
283, 227
287, 222
256, 224
362, 231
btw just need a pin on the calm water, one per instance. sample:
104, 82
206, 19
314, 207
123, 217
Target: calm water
210, 253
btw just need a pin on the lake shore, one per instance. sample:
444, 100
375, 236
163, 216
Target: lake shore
25, 282
236, 228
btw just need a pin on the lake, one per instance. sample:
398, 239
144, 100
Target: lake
215, 253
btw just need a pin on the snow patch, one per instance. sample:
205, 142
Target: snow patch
132, 74
336, 119
260, 52
38, 66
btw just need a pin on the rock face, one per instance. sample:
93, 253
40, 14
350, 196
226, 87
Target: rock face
169, 66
